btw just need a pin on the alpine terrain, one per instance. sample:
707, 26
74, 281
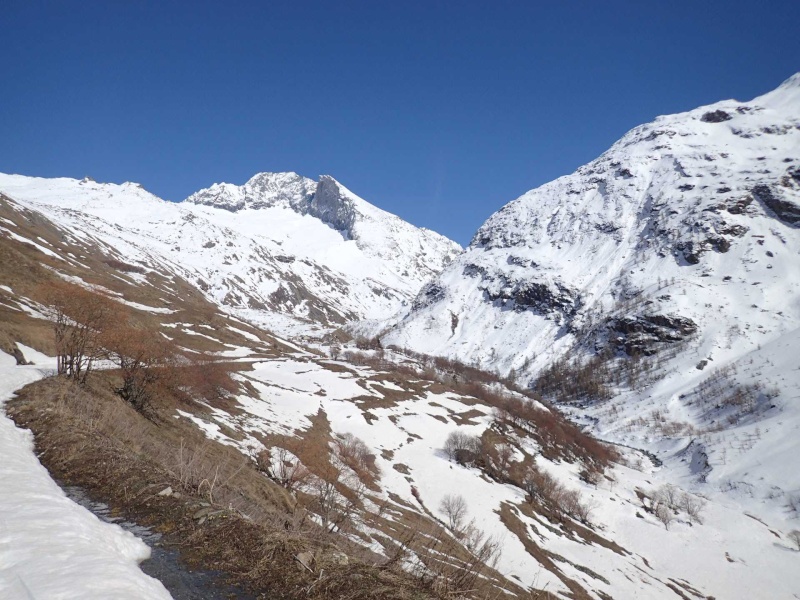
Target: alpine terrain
311, 398
292, 253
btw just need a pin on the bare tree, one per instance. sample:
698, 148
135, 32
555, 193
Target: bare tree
458, 441
664, 514
145, 360
671, 495
455, 509
693, 505
80, 317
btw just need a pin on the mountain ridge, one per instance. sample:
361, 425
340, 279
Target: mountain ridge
277, 257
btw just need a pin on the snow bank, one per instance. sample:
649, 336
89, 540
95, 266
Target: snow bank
49, 546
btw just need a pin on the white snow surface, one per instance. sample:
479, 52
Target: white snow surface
50, 547
539, 267
739, 551
280, 244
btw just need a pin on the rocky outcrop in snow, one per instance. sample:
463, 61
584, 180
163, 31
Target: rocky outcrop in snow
694, 215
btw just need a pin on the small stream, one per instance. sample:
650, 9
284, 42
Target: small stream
164, 563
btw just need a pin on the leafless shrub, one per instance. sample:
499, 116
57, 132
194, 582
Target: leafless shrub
459, 441
664, 514
354, 453
207, 379
145, 360
335, 508
591, 476
693, 505
793, 503
670, 495
559, 438
451, 567
80, 317
499, 457
365, 343
538, 483
283, 468
455, 509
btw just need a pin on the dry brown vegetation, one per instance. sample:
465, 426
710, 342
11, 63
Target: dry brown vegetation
224, 512
559, 438
91, 438
80, 317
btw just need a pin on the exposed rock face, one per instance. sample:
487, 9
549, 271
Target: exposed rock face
19, 356
330, 205
554, 298
786, 210
688, 202
715, 116
646, 334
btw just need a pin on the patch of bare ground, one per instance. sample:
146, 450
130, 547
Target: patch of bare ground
515, 525
221, 513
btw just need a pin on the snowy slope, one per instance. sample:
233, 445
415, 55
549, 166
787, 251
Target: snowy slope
680, 244
708, 199
51, 547
281, 248
627, 553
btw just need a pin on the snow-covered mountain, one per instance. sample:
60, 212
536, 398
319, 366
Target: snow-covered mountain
282, 248
666, 273
668, 266
695, 216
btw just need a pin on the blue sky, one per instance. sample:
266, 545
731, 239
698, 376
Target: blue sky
440, 112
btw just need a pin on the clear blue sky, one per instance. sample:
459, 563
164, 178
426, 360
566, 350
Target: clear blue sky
440, 112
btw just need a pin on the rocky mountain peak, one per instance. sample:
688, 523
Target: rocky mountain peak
263, 190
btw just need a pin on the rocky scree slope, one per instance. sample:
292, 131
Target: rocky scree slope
283, 250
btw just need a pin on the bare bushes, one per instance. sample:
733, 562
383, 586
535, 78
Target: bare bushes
693, 505
559, 438
454, 508
336, 498
664, 514
89, 326
444, 557
572, 380
721, 396
144, 359
366, 343
80, 317
793, 504
282, 467
462, 447
667, 502
354, 453
449, 567
540, 484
